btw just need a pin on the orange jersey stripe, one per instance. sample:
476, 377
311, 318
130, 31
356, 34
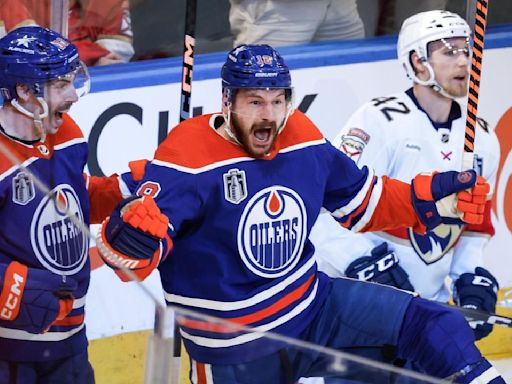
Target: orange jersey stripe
394, 208
201, 373
70, 320
252, 318
68, 131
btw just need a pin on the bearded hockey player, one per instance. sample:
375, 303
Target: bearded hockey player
235, 194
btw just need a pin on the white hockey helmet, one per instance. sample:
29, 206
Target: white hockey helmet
422, 28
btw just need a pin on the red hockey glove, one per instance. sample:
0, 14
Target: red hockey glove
434, 197
132, 236
33, 299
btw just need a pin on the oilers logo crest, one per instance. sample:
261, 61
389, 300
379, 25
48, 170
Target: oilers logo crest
272, 231
58, 242
435, 243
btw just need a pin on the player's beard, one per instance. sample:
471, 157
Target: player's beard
246, 138
456, 89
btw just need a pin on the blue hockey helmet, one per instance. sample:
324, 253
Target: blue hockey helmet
33, 55
255, 66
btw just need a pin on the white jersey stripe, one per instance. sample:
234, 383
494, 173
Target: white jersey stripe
17, 334
236, 160
208, 373
357, 200
251, 336
26, 163
193, 371
79, 303
370, 208
234, 305
486, 377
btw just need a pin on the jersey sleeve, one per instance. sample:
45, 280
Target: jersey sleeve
336, 247
361, 201
175, 192
104, 194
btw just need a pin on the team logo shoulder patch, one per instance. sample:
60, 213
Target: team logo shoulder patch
354, 142
272, 231
23, 191
235, 186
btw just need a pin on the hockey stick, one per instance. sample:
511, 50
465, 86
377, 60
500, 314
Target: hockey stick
186, 95
474, 83
481, 316
188, 59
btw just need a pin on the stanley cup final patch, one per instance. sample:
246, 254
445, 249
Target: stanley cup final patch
235, 186
353, 143
23, 190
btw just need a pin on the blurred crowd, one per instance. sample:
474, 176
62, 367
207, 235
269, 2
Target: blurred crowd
118, 31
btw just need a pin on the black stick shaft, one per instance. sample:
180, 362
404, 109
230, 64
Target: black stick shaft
189, 43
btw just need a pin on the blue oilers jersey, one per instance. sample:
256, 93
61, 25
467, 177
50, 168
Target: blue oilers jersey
240, 227
37, 232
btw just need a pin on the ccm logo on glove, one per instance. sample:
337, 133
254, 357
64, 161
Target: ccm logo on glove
381, 265
10, 299
484, 282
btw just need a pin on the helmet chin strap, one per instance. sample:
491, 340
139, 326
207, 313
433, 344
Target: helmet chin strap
431, 82
36, 116
227, 128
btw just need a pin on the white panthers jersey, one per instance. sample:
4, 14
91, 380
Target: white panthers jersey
396, 137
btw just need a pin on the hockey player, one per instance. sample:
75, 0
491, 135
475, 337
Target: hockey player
235, 194
420, 130
44, 264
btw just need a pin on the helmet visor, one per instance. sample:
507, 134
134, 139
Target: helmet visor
82, 80
79, 78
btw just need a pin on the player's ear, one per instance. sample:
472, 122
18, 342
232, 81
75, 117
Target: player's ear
22, 92
418, 65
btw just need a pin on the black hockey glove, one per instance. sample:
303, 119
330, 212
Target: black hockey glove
381, 267
477, 291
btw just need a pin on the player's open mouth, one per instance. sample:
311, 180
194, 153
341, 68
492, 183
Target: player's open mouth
262, 135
